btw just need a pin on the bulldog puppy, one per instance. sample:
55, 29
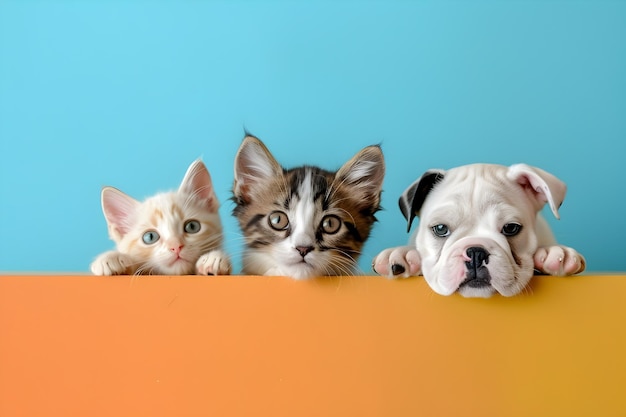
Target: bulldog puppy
480, 230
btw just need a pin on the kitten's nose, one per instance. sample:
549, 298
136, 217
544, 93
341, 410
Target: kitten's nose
177, 249
304, 250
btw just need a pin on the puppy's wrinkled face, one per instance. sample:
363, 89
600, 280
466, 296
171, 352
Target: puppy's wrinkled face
477, 233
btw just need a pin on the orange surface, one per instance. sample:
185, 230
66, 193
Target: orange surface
350, 346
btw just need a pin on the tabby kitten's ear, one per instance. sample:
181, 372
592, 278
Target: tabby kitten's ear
254, 164
197, 183
364, 175
119, 211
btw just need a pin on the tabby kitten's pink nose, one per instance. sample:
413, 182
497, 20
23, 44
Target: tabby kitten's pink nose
176, 249
304, 250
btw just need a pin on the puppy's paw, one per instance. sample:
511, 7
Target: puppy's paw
559, 260
112, 263
215, 262
398, 262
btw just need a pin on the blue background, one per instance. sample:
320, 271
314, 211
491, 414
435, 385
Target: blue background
129, 93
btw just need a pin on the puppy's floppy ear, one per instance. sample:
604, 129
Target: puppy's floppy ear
413, 197
542, 186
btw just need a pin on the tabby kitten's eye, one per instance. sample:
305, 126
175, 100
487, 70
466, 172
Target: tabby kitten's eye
150, 237
278, 220
192, 226
331, 224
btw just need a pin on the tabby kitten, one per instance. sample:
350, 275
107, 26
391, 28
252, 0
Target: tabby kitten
305, 221
173, 233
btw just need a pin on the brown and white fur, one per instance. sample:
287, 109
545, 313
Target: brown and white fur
305, 221
480, 230
172, 233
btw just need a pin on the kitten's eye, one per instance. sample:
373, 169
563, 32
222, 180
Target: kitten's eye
278, 220
441, 230
331, 224
192, 226
150, 237
511, 229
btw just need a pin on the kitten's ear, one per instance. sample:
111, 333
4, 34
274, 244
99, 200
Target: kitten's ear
253, 164
197, 183
119, 211
364, 174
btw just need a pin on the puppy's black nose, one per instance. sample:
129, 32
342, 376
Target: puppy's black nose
477, 256
477, 273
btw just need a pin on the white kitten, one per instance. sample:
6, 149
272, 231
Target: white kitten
172, 233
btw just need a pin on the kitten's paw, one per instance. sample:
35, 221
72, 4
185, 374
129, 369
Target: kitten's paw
112, 263
215, 262
398, 262
559, 260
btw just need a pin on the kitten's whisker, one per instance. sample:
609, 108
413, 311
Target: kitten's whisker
353, 254
144, 269
347, 213
341, 266
214, 242
341, 184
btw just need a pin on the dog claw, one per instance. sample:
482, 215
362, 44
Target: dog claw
397, 269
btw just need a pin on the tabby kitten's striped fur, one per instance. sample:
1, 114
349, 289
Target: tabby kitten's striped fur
172, 233
305, 221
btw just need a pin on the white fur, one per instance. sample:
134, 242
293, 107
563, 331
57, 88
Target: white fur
475, 202
176, 252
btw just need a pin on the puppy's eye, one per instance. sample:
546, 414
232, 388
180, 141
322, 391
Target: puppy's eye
441, 230
331, 224
278, 220
192, 226
150, 237
511, 229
